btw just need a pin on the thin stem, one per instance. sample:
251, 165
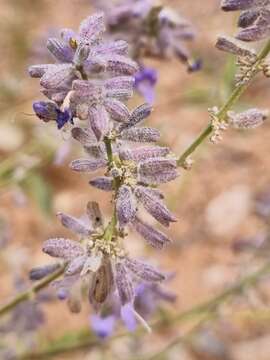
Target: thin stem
111, 228
28, 294
204, 309
194, 145
221, 115
109, 151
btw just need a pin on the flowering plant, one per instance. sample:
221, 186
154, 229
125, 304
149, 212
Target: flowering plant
87, 90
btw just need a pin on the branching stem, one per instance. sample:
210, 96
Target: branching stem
221, 115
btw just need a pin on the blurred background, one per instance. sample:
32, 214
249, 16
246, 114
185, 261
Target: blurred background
223, 203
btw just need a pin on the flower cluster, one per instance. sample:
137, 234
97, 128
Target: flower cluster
87, 88
254, 20
151, 29
79, 57
96, 265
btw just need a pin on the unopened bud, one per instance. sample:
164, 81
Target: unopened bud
249, 119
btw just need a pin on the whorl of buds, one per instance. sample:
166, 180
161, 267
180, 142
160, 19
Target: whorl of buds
246, 60
254, 19
151, 29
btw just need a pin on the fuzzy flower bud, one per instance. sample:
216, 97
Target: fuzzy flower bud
249, 119
254, 20
144, 271
124, 284
231, 5
143, 153
39, 273
157, 170
154, 237
233, 46
103, 183
125, 205
143, 134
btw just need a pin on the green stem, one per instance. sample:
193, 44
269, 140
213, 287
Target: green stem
109, 151
194, 145
28, 294
221, 115
204, 309
111, 228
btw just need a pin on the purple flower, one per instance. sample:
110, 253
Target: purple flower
80, 56
151, 30
145, 82
48, 111
128, 316
103, 327
194, 65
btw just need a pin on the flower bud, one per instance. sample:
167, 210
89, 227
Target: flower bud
140, 134
103, 183
125, 205
121, 65
249, 119
154, 237
87, 165
39, 273
124, 284
63, 248
45, 110
61, 51
92, 28
232, 5
99, 121
143, 153
233, 46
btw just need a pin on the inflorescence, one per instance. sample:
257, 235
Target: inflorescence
152, 31
87, 89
